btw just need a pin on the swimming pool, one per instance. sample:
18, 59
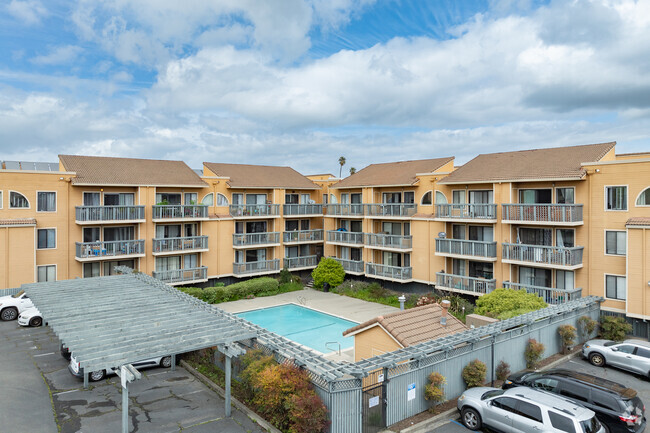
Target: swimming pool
303, 325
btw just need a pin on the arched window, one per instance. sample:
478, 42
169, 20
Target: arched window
18, 201
440, 198
644, 198
208, 199
426, 198
222, 200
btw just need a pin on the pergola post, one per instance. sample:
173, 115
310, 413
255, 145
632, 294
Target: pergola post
229, 350
125, 409
85, 379
228, 378
173, 362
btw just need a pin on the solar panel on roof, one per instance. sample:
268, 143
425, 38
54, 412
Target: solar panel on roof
42, 166
12, 165
27, 165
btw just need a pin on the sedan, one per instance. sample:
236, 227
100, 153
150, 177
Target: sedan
630, 355
77, 371
30, 317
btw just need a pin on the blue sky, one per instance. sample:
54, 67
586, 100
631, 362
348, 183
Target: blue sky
300, 83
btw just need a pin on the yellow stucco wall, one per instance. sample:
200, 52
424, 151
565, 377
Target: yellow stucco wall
371, 342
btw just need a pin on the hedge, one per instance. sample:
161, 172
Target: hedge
243, 289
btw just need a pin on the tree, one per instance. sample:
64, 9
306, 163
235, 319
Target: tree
353, 170
506, 303
341, 163
328, 271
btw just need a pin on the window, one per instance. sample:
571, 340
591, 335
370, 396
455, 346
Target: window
355, 198
222, 200
46, 273
119, 233
191, 198
564, 195
238, 198
458, 196
291, 198
168, 231
440, 198
255, 198
530, 411
561, 422
46, 202
17, 200
533, 236
409, 197
208, 200
0, 199
643, 200
91, 198
391, 197
546, 383
46, 238
109, 267
603, 400
643, 352
505, 403
426, 198
481, 270
119, 199
626, 348
458, 231
616, 198
481, 233
615, 242
91, 270
532, 196
168, 263
91, 234
575, 391
480, 197
165, 199
458, 267
534, 276
564, 280
615, 287
565, 238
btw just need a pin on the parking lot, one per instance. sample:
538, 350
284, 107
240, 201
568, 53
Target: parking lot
642, 386
40, 395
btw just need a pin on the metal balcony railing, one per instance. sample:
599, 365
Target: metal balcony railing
189, 243
108, 213
178, 211
468, 284
391, 209
386, 271
303, 236
255, 267
246, 239
548, 294
354, 238
351, 265
254, 210
463, 247
389, 241
475, 211
300, 262
550, 213
302, 209
182, 275
557, 256
86, 250
354, 209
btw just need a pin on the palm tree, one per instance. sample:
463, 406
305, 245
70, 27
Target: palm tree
353, 170
341, 163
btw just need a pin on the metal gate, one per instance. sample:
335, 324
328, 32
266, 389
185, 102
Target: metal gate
374, 402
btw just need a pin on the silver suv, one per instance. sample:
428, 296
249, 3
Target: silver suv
631, 355
520, 409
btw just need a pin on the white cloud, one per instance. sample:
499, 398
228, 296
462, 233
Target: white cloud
58, 55
31, 12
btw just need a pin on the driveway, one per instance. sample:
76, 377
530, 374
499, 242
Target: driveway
38, 393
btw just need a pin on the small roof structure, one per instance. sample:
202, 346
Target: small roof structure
413, 326
559, 163
17, 222
106, 171
260, 176
401, 173
638, 222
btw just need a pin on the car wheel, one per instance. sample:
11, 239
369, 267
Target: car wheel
166, 362
97, 375
471, 419
36, 321
597, 359
9, 313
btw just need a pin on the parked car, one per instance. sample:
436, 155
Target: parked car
630, 355
523, 409
65, 352
617, 407
77, 371
12, 305
30, 317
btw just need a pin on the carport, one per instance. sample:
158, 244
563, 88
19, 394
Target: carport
109, 322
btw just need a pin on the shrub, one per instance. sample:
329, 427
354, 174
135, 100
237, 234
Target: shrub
567, 335
285, 276
502, 370
474, 373
253, 286
614, 328
533, 353
433, 391
587, 326
506, 303
328, 271
192, 291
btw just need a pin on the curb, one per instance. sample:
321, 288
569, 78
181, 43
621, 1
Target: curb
238, 404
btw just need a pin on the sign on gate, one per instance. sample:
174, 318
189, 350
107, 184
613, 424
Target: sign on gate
410, 392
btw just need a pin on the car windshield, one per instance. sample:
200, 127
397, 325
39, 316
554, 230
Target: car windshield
492, 393
17, 295
590, 426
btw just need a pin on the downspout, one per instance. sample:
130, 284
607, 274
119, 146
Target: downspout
67, 235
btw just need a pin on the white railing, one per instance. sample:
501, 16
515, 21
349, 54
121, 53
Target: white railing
355, 238
300, 262
553, 213
463, 247
303, 236
560, 256
548, 294
108, 213
466, 284
391, 209
351, 265
189, 243
85, 250
389, 241
188, 211
302, 209
478, 211
386, 271
255, 267
354, 209
254, 210
245, 239
182, 275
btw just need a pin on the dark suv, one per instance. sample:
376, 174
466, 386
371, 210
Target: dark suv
618, 408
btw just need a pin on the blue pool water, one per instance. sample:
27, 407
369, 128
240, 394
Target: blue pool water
303, 325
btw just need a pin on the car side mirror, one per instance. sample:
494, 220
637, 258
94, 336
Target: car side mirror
614, 349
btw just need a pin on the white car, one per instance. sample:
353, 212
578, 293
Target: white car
30, 317
73, 367
11, 306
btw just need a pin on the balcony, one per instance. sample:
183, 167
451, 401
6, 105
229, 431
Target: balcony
468, 212
182, 276
255, 210
109, 214
351, 266
302, 209
463, 284
391, 210
543, 214
179, 212
91, 251
246, 240
386, 272
463, 249
344, 210
305, 262
345, 238
256, 268
543, 256
548, 294
389, 242
190, 244
302, 236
